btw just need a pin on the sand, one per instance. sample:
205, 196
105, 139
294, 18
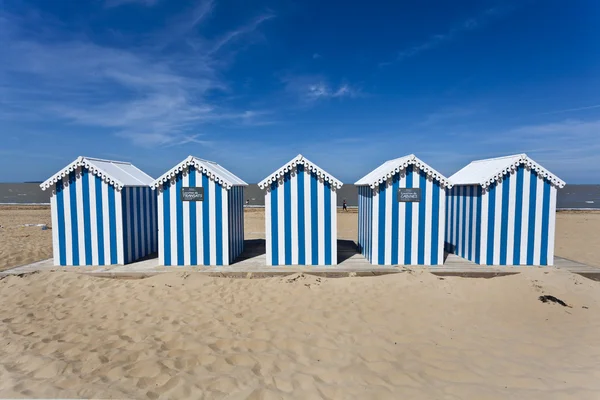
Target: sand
410, 335
576, 234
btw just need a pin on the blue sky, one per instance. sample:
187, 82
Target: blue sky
251, 84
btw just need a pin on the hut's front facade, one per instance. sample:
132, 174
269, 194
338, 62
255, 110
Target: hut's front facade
103, 213
502, 211
200, 214
401, 213
301, 215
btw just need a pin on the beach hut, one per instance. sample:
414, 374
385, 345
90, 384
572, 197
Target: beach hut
502, 212
103, 213
301, 214
200, 214
401, 212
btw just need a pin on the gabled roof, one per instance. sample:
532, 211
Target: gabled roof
300, 159
117, 173
213, 170
486, 172
391, 167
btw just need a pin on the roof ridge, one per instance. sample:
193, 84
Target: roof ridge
205, 166
500, 158
380, 175
105, 160
300, 159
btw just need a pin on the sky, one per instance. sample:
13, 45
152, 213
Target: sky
251, 84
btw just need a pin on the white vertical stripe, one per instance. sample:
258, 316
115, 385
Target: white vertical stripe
294, 206
148, 207
455, 218
161, 227
414, 256
512, 199
93, 219
539, 200
551, 225
428, 220
212, 214
459, 208
128, 229
173, 220
498, 223
187, 248
333, 226
80, 219
485, 197
225, 220
525, 216
119, 225
321, 220
375, 226
467, 219
199, 222
442, 220
136, 232
401, 220
268, 235
106, 222
54, 214
281, 222
388, 219
473, 226
68, 236
307, 219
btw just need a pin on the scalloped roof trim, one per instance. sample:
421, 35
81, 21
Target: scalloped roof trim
211, 169
510, 166
92, 164
388, 169
299, 160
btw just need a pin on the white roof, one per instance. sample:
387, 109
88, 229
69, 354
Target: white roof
117, 173
213, 170
391, 167
300, 159
486, 172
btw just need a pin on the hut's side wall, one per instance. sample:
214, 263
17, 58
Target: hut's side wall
513, 221
140, 236
193, 233
301, 220
236, 222
86, 221
409, 233
365, 222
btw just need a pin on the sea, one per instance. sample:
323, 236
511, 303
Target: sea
577, 197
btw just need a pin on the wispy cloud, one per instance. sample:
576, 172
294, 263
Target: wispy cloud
147, 95
316, 56
309, 89
117, 3
240, 32
435, 40
567, 110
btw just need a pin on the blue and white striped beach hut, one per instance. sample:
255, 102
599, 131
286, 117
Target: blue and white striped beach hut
103, 213
502, 211
208, 230
301, 215
398, 226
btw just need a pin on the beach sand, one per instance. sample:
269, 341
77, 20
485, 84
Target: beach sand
576, 233
409, 335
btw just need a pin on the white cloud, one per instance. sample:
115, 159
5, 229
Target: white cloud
313, 88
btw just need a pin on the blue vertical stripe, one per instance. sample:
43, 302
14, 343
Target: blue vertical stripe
193, 221
472, 197
491, 221
327, 203
518, 217
422, 203
167, 222
532, 217
381, 223
60, 212
99, 219
395, 219
219, 222
179, 215
274, 226
126, 225
463, 233
131, 226
113, 224
314, 226
545, 223
205, 220
504, 219
435, 222
478, 226
452, 211
408, 219
140, 219
87, 226
287, 216
301, 223
74, 218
